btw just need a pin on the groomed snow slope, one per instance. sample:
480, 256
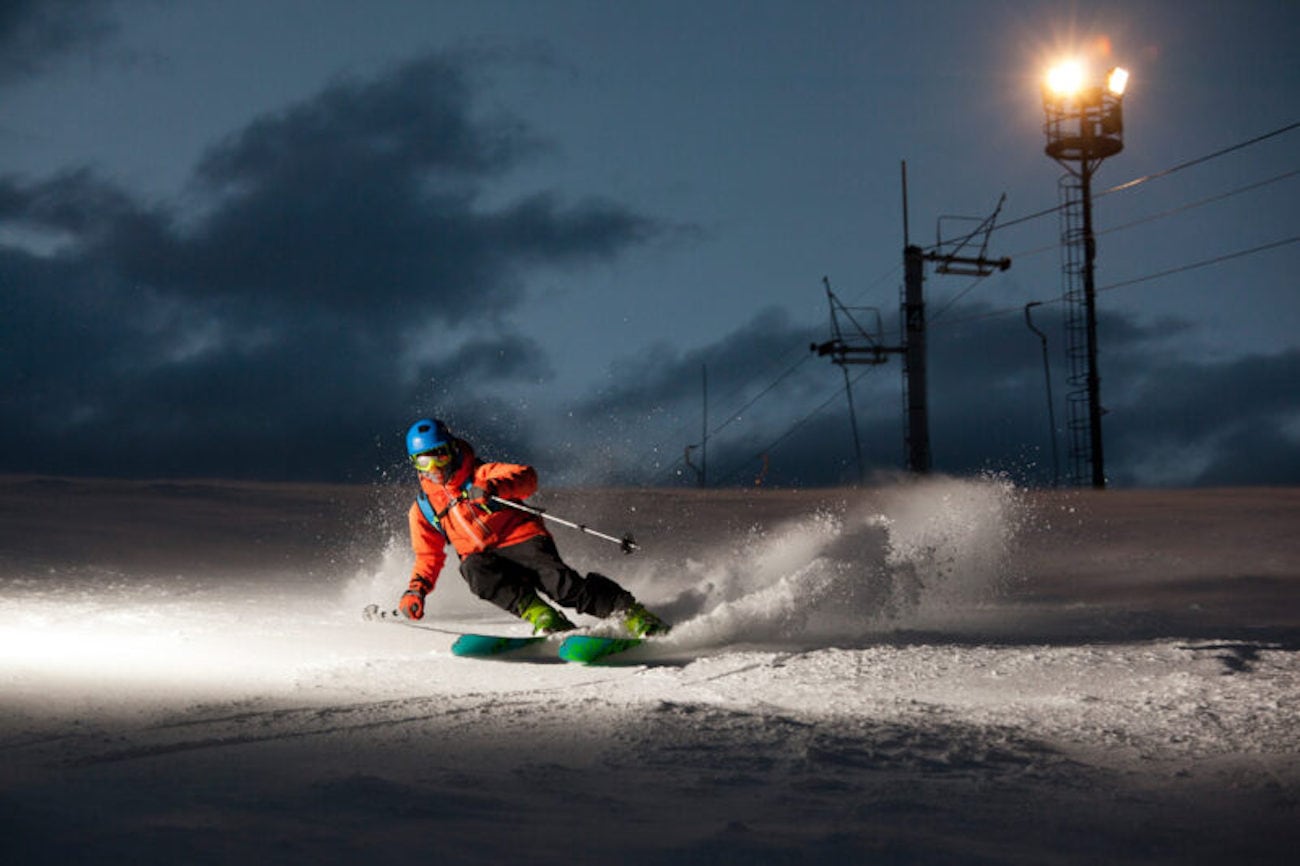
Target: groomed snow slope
953, 671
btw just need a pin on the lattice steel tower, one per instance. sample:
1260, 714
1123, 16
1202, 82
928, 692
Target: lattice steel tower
1084, 125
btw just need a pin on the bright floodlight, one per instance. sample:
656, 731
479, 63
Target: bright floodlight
1065, 78
1117, 81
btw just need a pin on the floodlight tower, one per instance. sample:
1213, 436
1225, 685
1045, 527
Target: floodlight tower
1084, 125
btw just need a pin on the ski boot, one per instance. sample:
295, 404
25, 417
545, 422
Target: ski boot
544, 618
641, 622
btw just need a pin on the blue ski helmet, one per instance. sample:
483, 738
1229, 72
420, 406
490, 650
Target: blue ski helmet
426, 435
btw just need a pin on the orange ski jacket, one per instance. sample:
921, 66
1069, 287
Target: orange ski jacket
471, 527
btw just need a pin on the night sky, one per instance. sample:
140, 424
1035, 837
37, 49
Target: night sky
257, 239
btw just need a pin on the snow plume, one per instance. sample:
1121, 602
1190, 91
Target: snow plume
950, 544
382, 583
913, 555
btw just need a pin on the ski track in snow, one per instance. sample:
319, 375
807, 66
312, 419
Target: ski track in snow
954, 671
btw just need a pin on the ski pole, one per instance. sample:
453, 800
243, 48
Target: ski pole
626, 542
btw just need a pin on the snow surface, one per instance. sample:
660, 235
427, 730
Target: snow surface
951, 671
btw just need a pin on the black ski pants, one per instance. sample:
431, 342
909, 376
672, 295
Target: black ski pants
506, 576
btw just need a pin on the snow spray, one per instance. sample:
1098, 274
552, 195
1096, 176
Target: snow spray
913, 555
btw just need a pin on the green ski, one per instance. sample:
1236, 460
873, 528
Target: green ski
585, 648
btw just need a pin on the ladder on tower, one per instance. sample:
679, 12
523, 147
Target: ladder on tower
1073, 264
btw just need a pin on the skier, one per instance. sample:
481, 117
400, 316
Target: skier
507, 556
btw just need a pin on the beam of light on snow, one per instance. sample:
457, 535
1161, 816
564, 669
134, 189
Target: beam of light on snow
51, 647
105, 652
138, 642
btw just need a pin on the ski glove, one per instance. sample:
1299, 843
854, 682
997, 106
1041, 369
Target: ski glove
412, 602
480, 494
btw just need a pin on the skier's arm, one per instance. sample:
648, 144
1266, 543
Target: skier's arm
430, 555
507, 480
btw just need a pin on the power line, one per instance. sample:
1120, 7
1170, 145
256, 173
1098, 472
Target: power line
731, 417
1149, 177
1286, 175
1200, 159
790, 431
1201, 264
1142, 220
1006, 311
957, 297
1202, 202
736, 415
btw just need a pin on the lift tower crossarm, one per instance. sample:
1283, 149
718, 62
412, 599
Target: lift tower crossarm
981, 265
864, 346
972, 266
841, 352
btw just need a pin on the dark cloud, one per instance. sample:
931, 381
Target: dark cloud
75, 202
665, 375
344, 269
367, 200
1169, 419
1200, 422
35, 35
416, 121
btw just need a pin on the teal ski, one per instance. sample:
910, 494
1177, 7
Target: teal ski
586, 648
488, 645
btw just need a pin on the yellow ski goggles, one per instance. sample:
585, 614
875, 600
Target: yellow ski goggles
434, 458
